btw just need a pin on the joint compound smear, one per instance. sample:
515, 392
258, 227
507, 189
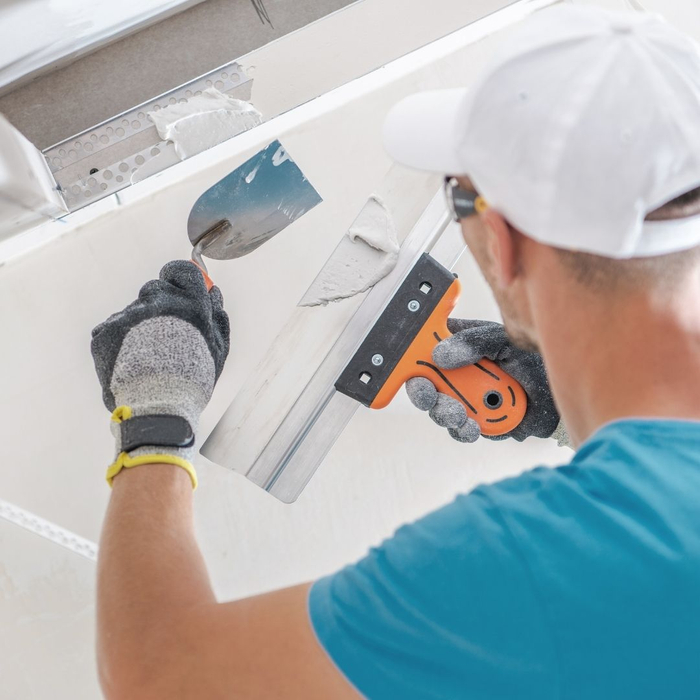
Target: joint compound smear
204, 121
366, 254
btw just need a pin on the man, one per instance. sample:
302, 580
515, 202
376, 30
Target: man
580, 582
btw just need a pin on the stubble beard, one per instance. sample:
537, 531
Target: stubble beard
520, 339
516, 332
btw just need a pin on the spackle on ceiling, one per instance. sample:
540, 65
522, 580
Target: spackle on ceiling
204, 121
366, 254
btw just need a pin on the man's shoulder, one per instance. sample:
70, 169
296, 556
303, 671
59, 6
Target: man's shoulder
643, 457
635, 483
499, 587
566, 522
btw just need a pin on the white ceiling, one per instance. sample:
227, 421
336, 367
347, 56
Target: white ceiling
61, 30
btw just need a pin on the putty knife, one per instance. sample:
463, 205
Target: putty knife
248, 207
319, 414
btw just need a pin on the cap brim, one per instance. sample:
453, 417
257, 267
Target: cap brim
422, 132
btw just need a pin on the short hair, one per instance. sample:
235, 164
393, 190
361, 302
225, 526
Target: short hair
600, 273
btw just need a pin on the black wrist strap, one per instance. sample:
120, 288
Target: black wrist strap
155, 431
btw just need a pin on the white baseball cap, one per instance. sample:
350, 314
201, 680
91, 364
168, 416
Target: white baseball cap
584, 123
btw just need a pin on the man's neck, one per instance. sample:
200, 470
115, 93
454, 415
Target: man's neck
631, 357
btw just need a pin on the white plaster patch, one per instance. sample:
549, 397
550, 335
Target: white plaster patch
367, 253
204, 121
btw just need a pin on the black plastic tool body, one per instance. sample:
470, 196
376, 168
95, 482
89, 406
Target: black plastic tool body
395, 330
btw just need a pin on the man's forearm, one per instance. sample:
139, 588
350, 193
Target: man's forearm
160, 631
151, 575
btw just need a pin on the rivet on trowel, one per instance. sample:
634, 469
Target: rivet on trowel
377, 360
413, 305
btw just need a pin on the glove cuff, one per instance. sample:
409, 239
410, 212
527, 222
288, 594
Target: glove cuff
181, 456
123, 461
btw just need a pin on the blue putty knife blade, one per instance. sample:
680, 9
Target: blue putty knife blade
258, 200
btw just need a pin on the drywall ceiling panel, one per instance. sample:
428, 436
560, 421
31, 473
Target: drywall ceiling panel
165, 55
289, 71
39, 35
350, 43
47, 610
95, 267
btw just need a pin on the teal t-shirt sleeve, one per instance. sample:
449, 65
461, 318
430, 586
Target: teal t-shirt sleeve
444, 609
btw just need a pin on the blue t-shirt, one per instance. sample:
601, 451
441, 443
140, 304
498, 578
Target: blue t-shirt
576, 582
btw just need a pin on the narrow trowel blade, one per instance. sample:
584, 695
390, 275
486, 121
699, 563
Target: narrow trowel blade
258, 200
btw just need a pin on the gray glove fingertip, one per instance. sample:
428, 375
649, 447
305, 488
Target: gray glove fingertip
487, 339
185, 275
469, 432
453, 353
150, 289
448, 412
217, 298
422, 393
97, 330
456, 325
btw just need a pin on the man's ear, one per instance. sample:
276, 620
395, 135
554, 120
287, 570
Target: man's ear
503, 246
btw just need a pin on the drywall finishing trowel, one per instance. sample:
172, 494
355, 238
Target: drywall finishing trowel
351, 373
248, 207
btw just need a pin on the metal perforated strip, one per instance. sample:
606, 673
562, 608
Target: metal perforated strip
87, 170
48, 530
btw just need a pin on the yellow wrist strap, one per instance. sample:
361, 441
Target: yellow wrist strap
123, 461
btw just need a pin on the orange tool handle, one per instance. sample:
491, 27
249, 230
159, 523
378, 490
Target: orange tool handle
207, 280
491, 396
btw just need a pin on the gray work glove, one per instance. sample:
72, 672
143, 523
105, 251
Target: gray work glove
161, 356
471, 341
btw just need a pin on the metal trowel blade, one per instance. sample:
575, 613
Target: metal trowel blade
251, 204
